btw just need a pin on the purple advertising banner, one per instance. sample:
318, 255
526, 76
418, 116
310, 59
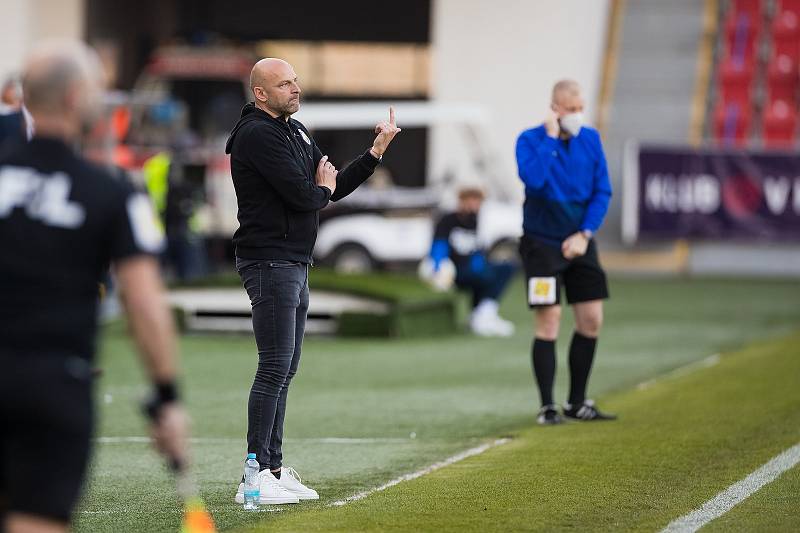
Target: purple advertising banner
711, 194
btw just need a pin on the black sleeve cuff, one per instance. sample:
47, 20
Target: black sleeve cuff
370, 159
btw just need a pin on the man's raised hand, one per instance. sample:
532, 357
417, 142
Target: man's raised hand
386, 132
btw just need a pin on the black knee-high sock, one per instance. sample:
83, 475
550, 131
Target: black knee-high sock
544, 368
581, 355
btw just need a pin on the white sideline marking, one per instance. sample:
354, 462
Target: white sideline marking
419, 473
736, 493
684, 370
179, 510
212, 440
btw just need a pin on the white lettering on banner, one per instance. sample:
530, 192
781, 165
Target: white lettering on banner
44, 197
687, 193
776, 192
797, 195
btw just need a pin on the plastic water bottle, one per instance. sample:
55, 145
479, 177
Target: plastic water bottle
252, 492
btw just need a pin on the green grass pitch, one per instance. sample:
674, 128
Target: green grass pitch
667, 454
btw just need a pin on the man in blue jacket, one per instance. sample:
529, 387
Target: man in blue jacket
567, 191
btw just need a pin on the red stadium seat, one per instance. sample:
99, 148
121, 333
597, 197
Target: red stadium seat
782, 78
736, 80
786, 34
732, 123
789, 5
779, 124
751, 7
741, 35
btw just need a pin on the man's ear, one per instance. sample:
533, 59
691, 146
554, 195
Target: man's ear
259, 94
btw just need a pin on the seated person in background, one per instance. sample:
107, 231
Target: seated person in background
456, 238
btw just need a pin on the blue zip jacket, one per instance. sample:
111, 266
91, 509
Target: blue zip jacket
566, 183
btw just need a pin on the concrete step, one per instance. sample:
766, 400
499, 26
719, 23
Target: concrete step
228, 310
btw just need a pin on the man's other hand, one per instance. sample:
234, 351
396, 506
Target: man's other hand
575, 245
551, 124
326, 174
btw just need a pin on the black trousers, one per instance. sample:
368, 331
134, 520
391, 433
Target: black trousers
278, 292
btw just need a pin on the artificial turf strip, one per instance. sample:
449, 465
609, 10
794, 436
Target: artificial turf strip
677, 444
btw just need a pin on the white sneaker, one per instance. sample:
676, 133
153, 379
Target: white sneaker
485, 321
272, 493
480, 326
503, 328
290, 480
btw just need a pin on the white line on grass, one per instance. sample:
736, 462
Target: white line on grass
684, 370
215, 440
736, 493
419, 473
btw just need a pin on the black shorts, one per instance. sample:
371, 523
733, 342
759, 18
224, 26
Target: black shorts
46, 423
546, 271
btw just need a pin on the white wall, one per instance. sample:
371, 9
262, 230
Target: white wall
23, 23
506, 55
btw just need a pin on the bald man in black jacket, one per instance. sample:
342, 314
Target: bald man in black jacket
282, 180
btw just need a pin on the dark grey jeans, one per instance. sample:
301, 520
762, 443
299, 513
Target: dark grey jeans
278, 292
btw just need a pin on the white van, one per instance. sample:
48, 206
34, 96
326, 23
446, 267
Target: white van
382, 225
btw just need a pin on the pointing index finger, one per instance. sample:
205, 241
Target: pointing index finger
391, 115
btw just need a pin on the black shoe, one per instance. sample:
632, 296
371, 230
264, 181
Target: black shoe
586, 412
548, 416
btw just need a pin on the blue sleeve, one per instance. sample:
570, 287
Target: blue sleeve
601, 193
534, 158
440, 249
477, 262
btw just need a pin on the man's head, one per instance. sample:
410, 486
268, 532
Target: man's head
11, 93
567, 98
63, 85
470, 200
274, 86
567, 103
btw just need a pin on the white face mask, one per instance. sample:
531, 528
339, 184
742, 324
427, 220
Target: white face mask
572, 123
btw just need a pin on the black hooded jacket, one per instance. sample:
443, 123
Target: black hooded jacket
273, 163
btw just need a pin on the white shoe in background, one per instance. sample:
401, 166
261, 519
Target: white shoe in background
503, 328
486, 322
290, 480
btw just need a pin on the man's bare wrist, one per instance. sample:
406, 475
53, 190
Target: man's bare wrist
376, 154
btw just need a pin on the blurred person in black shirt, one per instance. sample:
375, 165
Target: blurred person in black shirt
63, 220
